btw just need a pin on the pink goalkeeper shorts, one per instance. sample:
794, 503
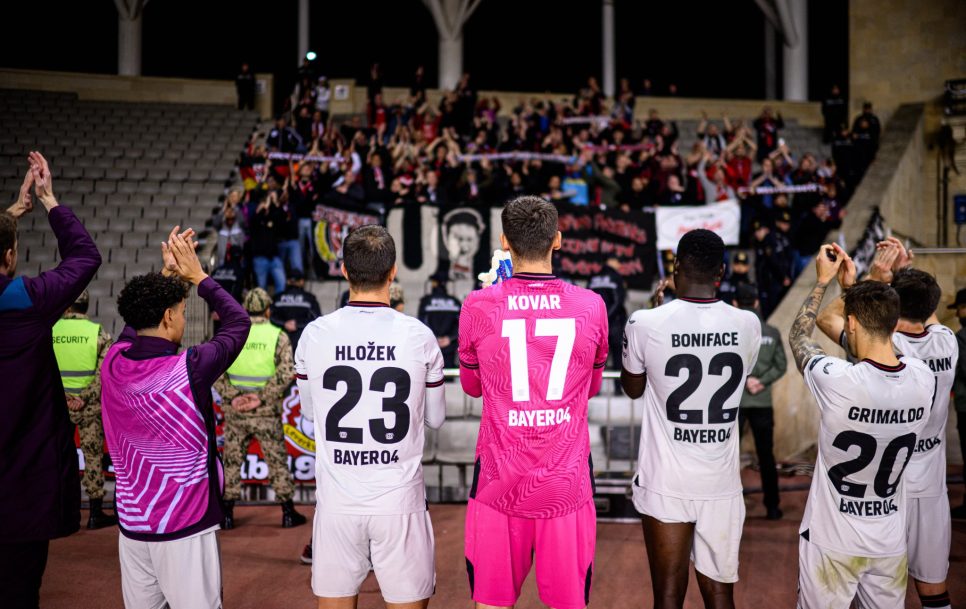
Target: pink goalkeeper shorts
500, 550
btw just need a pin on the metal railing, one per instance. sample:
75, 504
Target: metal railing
199, 327
614, 422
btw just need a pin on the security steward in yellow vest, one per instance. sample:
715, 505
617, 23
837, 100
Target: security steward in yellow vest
79, 346
251, 399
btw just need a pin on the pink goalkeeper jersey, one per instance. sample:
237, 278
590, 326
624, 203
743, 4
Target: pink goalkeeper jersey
535, 347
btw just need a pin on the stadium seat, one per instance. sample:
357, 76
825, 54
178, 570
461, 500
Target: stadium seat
105, 186
456, 442
92, 199
127, 186
170, 188
100, 288
429, 444
72, 173
135, 269
111, 271
107, 240
136, 239
97, 224
132, 212
120, 225
178, 175
154, 212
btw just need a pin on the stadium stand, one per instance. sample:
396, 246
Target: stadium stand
128, 170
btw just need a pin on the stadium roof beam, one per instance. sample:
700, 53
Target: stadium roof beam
450, 16
790, 17
610, 53
129, 13
303, 30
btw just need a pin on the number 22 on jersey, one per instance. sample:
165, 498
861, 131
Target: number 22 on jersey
516, 331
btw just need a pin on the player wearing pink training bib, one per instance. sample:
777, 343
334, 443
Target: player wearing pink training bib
534, 347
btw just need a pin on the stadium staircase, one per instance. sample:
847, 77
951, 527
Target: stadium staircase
130, 171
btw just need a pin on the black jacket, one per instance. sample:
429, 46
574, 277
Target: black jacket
441, 313
609, 285
295, 303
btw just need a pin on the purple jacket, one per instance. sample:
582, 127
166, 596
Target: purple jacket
160, 424
39, 484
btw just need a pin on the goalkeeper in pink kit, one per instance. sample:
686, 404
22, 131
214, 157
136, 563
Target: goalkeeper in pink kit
534, 347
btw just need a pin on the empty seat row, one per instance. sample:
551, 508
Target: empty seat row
134, 174
217, 161
129, 187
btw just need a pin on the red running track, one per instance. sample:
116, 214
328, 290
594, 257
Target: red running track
262, 571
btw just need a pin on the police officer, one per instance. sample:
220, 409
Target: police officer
784, 252
609, 285
756, 404
79, 346
230, 275
295, 308
770, 271
738, 276
252, 392
440, 312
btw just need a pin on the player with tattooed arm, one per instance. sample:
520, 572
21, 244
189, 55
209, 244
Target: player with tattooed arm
853, 531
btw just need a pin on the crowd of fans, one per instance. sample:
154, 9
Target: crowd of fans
583, 150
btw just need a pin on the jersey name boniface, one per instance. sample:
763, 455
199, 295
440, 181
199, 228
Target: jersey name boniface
705, 339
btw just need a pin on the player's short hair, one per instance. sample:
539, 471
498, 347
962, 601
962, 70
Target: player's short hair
530, 225
875, 305
701, 255
145, 298
919, 294
369, 254
8, 232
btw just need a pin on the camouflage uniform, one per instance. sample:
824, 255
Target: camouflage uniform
88, 420
263, 423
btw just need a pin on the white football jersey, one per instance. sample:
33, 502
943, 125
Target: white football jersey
937, 348
696, 355
366, 370
871, 417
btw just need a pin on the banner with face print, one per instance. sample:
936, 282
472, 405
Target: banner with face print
332, 225
463, 243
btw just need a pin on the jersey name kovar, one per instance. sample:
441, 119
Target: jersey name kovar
697, 355
368, 368
536, 343
871, 418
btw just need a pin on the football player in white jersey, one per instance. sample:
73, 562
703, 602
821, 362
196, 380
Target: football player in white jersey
853, 538
370, 376
919, 335
690, 359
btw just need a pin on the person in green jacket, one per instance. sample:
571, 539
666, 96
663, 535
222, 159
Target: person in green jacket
79, 346
756, 404
959, 386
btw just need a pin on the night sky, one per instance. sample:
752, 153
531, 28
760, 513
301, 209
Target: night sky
707, 49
